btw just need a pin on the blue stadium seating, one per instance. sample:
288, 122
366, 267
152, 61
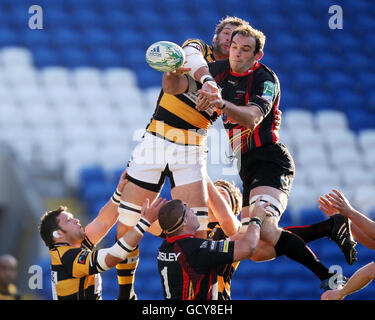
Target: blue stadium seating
318, 68
93, 174
45, 56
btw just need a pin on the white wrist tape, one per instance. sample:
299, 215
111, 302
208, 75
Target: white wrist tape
202, 215
116, 197
119, 250
244, 224
142, 226
194, 60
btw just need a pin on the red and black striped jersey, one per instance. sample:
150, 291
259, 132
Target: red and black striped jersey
74, 272
187, 266
178, 111
258, 86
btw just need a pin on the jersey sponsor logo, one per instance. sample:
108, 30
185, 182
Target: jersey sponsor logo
213, 245
268, 91
82, 257
219, 246
240, 94
224, 246
163, 256
204, 245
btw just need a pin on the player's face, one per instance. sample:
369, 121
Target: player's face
221, 43
241, 54
191, 218
8, 271
73, 231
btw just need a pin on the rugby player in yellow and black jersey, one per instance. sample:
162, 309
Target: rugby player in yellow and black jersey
221, 193
178, 111
75, 266
175, 126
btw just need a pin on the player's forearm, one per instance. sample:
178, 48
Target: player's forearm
110, 257
359, 279
105, 220
132, 238
221, 210
246, 246
175, 83
361, 237
249, 117
362, 222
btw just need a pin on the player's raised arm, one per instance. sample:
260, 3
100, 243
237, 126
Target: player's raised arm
108, 215
176, 82
109, 257
222, 211
249, 117
246, 246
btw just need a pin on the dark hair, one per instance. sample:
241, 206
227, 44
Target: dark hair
229, 20
169, 215
249, 31
49, 223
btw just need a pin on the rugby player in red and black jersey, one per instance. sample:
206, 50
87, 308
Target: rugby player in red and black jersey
188, 266
248, 100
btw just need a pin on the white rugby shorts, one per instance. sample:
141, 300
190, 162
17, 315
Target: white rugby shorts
155, 158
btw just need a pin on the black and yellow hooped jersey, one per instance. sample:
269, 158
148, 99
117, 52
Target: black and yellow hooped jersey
225, 272
178, 111
74, 272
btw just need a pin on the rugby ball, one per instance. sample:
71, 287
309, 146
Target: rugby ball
165, 56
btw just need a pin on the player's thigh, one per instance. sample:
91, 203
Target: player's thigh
137, 195
195, 193
189, 176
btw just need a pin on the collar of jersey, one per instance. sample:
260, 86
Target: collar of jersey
59, 244
175, 238
248, 71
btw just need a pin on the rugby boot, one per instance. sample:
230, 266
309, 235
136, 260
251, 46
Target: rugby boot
342, 235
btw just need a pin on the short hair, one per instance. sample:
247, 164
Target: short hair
229, 20
49, 223
249, 31
234, 193
169, 215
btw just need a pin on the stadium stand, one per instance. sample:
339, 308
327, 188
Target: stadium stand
77, 95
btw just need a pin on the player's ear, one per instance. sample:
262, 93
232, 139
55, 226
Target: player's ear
56, 234
259, 55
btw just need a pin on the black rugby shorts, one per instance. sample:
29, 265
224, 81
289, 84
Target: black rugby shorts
270, 165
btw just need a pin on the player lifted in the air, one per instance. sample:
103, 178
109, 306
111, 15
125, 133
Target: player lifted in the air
173, 146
